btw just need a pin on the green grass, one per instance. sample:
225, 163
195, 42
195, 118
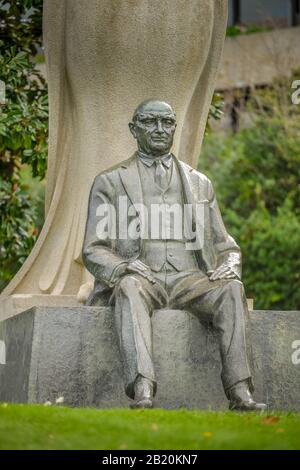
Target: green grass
40, 427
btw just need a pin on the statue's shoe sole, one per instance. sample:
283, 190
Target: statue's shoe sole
247, 407
143, 403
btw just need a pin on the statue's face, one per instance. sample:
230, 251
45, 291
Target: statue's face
153, 126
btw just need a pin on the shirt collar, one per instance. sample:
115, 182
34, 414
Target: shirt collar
149, 160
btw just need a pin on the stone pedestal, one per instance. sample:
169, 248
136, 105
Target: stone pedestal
18, 303
49, 352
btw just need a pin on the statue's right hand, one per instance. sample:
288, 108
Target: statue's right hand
138, 267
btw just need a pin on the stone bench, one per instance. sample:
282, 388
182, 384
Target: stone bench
49, 352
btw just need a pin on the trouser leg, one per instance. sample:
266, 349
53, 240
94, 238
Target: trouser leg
224, 305
135, 299
229, 316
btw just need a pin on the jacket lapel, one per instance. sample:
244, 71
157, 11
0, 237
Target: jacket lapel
188, 188
191, 191
131, 181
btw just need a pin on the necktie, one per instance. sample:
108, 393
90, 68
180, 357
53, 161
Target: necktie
161, 175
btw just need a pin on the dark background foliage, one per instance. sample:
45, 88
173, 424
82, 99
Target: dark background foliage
256, 173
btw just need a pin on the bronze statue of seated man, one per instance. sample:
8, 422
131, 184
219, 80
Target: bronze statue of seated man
155, 238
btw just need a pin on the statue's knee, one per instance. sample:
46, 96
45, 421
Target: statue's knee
129, 282
235, 286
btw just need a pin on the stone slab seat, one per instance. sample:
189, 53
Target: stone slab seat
49, 352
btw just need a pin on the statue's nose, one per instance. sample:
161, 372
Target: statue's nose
159, 127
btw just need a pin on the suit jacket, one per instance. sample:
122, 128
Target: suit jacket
102, 257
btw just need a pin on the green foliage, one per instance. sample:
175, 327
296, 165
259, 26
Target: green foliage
23, 129
237, 30
23, 118
21, 24
256, 173
53, 427
215, 110
17, 230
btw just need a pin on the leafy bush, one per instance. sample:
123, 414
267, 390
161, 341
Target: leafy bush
256, 173
23, 129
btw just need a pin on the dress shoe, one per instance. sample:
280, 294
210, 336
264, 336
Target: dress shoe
240, 399
143, 393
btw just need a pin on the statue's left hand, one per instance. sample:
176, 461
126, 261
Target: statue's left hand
225, 271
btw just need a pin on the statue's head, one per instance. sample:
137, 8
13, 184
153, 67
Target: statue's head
153, 126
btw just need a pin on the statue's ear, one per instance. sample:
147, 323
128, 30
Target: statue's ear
132, 129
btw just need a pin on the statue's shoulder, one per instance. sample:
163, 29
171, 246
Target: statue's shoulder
113, 170
109, 178
195, 173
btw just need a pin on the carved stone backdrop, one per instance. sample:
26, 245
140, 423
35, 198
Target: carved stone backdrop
103, 58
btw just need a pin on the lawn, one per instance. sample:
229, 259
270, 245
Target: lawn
56, 427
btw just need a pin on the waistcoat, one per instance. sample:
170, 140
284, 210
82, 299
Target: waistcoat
166, 244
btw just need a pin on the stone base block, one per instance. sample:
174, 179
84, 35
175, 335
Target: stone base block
18, 303
72, 352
